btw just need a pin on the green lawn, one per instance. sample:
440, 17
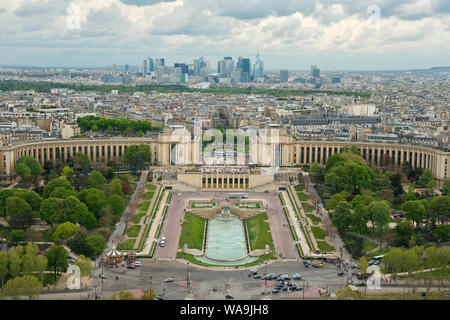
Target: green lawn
133, 231
151, 187
139, 216
149, 195
202, 204
259, 232
369, 245
307, 207
248, 204
191, 259
324, 246
301, 196
318, 232
144, 206
192, 232
314, 219
126, 245
298, 187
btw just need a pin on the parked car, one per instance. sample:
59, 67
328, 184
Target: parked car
275, 290
131, 266
162, 243
293, 287
253, 271
296, 276
257, 276
168, 280
163, 239
229, 296
138, 263
299, 289
341, 273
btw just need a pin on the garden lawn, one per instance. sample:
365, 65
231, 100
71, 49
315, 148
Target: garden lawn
324, 246
144, 206
298, 187
151, 187
318, 232
301, 196
133, 231
149, 195
259, 232
126, 245
192, 232
139, 216
314, 219
307, 207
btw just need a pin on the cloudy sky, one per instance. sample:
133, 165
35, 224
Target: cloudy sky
291, 34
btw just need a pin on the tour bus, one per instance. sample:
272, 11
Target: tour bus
378, 257
238, 195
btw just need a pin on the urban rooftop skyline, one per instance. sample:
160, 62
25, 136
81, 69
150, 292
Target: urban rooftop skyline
335, 35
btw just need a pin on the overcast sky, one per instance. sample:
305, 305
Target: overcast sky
290, 34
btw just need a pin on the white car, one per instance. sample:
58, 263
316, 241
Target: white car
163, 239
138, 263
162, 243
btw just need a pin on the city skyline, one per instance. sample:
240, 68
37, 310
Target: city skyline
335, 35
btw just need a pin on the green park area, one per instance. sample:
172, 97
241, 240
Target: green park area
249, 205
319, 234
259, 232
301, 196
133, 231
126, 245
144, 206
314, 219
203, 204
325, 246
307, 207
192, 232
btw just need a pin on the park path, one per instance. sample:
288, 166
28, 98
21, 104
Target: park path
296, 224
144, 219
157, 220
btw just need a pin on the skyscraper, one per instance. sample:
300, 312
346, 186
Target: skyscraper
243, 65
145, 69
284, 75
258, 68
315, 72
183, 66
201, 67
126, 68
159, 62
151, 64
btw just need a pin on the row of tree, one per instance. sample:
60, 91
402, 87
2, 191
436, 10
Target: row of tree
116, 126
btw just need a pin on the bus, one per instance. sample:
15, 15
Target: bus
378, 257
238, 195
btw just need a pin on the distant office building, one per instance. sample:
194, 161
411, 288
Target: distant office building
243, 65
225, 67
201, 67
145, 68
126, 68
151, 64
258, 68
168, 74
159, 62
335, 79
284, 75
315, 72
184, 67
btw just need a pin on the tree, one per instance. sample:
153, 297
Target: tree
4, 262
96, 179
65, 230
149, 294
426, 177
380, 212
316, 171
53, 184
60, 192
342, 216
404, 231
81, 162
68, 173
17, 236
29, 258
442, 232
116, 187
415, 211
19, 213
363, 264
52, 211
77, 212
85, 265
57, 259
338, 197
24, 172
32, 163
446, 188
23, 286
136, 155
93, 198
15, 264
117, 205
441, 207
96, 241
